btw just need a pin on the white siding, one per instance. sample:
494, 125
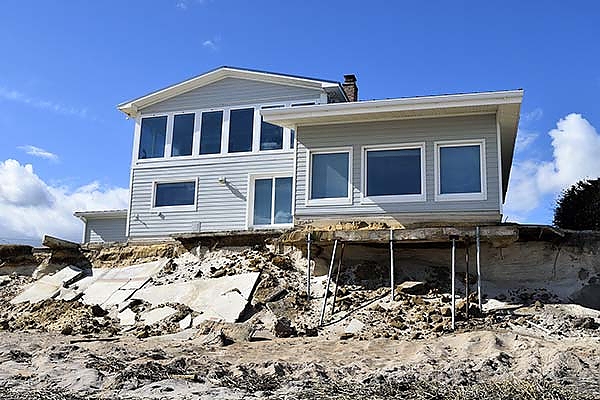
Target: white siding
220, 206
105, 230
398, 132
233, 91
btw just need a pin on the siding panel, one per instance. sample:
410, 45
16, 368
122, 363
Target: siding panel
105, 230
398, 132
220, 206
232, 91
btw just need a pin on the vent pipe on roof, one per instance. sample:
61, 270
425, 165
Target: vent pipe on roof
350, 87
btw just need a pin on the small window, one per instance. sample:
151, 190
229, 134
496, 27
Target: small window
271, 136
183, 135
460, 171
329, 175
210, 135
175, 194
272, 201
152, 137
241, 123
394, 172
292, 138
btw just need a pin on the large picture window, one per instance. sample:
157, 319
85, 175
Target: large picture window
395, 172
183, 135
210, 134
272, 203
330, 176
241, 126
152, 137
460, 171
175, 194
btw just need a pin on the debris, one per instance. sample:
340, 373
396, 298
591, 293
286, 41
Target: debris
354, 328
283, 328
127, 317
156, 315
412, 287
48, 286
186, 322
56, 243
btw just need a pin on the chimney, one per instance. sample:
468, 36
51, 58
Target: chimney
350, 87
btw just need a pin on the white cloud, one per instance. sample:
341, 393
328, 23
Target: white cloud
524, 140
30, 208
534, 115
575, 156
58, 108
182, 5
209, 44
39, 152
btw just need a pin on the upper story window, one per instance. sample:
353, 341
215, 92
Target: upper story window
394, 173
460, 170
329, 176
271, 136
152, 137
183, 135
210, 134
241, 129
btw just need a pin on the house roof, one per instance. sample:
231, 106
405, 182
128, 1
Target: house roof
100, 214
506, 104
131, 107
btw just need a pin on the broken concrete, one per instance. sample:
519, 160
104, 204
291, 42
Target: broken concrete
158, 314
221, 299
127, 317
48, 286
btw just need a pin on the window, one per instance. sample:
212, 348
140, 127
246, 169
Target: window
183, 135
271, 136
330, 176
175, 194
241, 124
460, 171
152, 137
292, 138
272, 203
395, 171
210, 136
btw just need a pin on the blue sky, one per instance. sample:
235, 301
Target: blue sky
65, 66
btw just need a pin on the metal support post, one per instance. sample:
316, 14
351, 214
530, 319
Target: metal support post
328, 282
467, 281
452, 283
392, 264
478, 269
337, 278
309, 241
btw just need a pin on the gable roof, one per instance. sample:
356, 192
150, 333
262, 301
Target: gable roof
131, 107
505, 104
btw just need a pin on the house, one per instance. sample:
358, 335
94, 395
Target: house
238, 149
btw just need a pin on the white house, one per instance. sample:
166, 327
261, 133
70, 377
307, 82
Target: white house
237, 149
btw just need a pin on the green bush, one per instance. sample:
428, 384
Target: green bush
578, 207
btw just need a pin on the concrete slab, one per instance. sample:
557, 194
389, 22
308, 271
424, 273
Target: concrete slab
48, 286
186, 322
158, 314
354, 327
127, 317
221, 298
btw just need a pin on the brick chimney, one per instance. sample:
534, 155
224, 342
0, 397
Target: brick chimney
350, 87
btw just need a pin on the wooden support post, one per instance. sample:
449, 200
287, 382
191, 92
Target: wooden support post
478, 269
452, 283
392, 264
337, 278
309, 241
467, 280
328, 282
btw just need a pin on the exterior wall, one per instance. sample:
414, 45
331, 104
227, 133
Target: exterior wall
399, 132
233, 91
219, 206
105, 230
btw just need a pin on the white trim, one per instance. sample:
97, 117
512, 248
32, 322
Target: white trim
197, 133
250, 203
187, 207
334, 200
500, 179
169, 136
365, 199
482, 195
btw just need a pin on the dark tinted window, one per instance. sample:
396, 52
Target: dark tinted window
460, 169
283, 200
393, 172
210, 134
329, 175
152, 137
240, 130
175, 194
262, 201
292, 138
271, 136
183, 135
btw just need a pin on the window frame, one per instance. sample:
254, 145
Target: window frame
393, 198
186, 207
482, 194
333, 200
250, 203
182, 160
